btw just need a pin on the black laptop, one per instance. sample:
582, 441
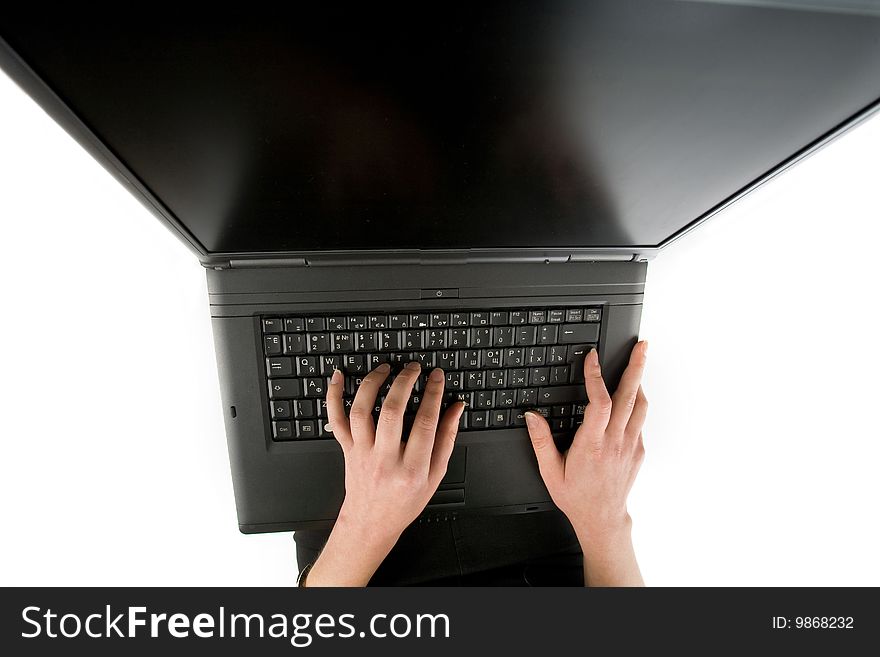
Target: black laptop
476, 187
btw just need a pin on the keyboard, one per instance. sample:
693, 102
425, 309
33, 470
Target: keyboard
499, 362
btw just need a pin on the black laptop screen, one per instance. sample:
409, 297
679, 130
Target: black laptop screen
544, 124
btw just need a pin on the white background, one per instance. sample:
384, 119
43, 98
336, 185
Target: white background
762, 438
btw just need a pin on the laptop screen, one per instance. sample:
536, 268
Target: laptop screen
545, 124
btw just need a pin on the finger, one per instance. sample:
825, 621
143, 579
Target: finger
390, 424
550, 462
591, 433
637, 419
360, 417
444, 442
625, 395
420, 443
336, 412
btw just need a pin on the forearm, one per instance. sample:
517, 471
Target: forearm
610, 559
352, 554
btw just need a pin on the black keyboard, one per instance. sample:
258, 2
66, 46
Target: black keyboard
499, 362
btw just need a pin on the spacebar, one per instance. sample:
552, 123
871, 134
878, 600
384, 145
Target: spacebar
561, 394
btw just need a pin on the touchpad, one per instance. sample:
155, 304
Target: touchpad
456, 469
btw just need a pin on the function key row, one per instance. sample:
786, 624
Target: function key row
430, 320
345, 342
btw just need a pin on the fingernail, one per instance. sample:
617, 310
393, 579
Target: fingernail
531, 419
336, 378
413, 365
437, 375
594, 357
644, 347
384, 367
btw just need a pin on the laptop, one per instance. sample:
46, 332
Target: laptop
480, 190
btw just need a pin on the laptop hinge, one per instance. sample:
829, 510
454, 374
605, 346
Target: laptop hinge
247, 263
452, 257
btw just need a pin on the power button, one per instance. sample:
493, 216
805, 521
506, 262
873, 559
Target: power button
440, 293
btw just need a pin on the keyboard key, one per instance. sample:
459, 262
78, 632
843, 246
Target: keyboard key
484, 399
518, 418
454, 381
314, 387
459, 396
459, 319
559, 375
440, 320
557, 355
272, 325
492, 357
592, 314
575, 333
480, 337
458, 339
294, 343
537, 316
342, 343
315, 324
337, 323
479, 319
536, 356
515, 357
420, 320
519, 317
282, 430
576, 355
280, 366
470, 359
324, 429
377, 321
563, 410
475, 380
574, 315
319, 343
294, 325
447, 360
389, 340
436, 339
357, 322
496, 379
499, 418
329, 364
556, 316
539, 376
414, 339
517, 378
527, 397
355, 364
365, 341
426, 359
502, 336
547, 334
499, 318
399, 321
526, 335
560, 424
306, 429
273, 345
285, 389
374, 360
505, 398
304, 409
280, 410
478, 419
561, 394
307, 366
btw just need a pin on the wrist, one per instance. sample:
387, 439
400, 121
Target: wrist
605, 533
369, 535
